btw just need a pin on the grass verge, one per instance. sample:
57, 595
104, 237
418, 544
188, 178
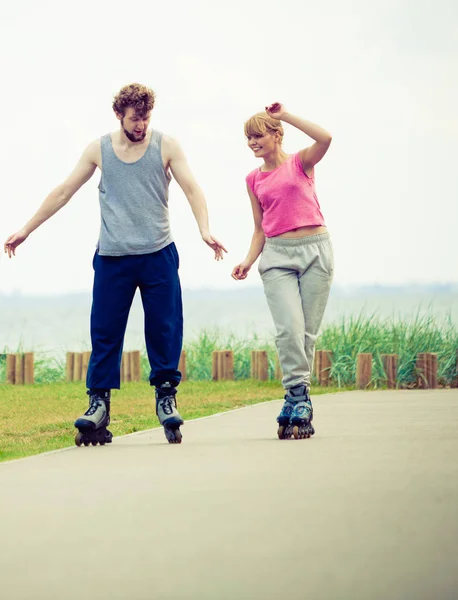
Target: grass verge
39, 418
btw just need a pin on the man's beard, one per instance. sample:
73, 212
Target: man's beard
131, 136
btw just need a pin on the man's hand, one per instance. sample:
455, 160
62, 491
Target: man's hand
241, 271
216, 246
14, 241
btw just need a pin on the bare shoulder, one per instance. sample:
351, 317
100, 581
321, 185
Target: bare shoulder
93, 153
170, 147
168, 140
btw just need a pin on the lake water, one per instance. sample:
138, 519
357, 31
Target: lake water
58, 324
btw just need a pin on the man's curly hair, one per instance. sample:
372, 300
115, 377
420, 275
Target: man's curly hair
136, 96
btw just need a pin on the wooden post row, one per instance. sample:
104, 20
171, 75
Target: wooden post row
77, 364
20, 367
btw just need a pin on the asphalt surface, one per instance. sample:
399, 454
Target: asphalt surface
365, 510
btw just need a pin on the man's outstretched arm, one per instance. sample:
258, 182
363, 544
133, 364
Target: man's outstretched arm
57, 198
185, 179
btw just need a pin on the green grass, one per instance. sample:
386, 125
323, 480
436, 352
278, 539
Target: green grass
39, 418
345, 339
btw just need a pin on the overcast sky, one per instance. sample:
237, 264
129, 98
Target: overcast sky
381, 75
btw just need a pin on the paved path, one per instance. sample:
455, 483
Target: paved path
365, 510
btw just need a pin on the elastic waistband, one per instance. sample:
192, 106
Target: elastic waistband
301, 241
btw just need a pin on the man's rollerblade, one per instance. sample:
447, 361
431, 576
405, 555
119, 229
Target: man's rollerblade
302, 415
92, 426
166, 410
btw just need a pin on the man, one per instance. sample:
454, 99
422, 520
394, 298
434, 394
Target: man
135, 249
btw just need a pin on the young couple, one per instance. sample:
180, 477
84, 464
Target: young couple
136, 249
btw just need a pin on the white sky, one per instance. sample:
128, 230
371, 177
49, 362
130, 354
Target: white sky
382, 76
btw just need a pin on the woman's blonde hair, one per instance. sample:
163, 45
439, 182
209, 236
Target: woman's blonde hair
261, 123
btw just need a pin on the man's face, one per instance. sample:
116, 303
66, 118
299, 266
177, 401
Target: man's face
135, 125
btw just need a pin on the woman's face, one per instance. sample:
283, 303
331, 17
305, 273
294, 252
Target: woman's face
262, 145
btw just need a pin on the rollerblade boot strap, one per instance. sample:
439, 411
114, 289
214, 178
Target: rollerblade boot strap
102, 394
299, 393
166, 389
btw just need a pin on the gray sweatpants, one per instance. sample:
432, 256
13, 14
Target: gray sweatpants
297, 275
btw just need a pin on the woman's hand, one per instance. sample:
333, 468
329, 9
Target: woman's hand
241, 271
276, 111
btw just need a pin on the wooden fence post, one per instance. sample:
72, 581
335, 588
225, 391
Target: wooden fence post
86, 356
77, 366
259, 365
182, 365
325, 370
363, 370
69, 366
215, 365
19, 369
125, 367
427, 370
263, 366
10, 368
135, 365
29, 368
317, 364
226, 364
433, 371
222, 364
390, 366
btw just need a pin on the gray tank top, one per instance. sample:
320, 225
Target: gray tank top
133, 202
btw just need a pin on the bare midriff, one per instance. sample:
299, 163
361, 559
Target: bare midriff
303, 232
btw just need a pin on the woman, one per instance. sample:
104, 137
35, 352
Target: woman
296, 266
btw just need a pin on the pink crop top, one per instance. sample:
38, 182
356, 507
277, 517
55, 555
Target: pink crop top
287, 197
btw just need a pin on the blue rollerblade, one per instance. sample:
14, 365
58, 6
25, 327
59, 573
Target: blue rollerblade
285, 429
302, 414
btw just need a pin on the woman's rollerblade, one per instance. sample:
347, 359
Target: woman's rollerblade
167, 413
285, 429
92, 426
302, 415
295, 418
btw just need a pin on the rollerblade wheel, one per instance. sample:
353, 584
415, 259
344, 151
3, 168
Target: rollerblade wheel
284, 432
301, 432
79, 439
173, 435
